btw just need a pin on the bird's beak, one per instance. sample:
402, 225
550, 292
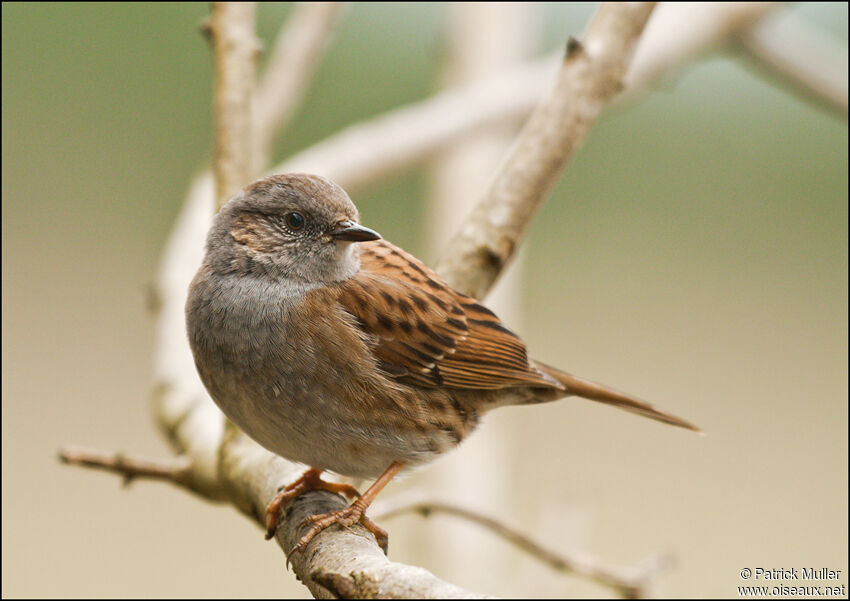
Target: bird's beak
354, 232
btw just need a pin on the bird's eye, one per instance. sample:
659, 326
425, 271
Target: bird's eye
295, 220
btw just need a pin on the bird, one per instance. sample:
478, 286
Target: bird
334, 348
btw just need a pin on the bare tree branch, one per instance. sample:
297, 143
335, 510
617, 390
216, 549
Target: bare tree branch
181, 470
591, 74
252, 475
300, 45
630, 583
174, 469
375, 148
352, 559
680, 33
806, 59
235, 49
368, 151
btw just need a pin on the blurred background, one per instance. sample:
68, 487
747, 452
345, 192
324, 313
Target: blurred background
694, 253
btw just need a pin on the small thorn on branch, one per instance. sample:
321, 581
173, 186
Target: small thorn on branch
574, 46
549, 138
205, 28
177, 469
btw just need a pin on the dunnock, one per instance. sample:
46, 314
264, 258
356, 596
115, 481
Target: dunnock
334, 348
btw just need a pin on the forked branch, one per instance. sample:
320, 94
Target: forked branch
591, 74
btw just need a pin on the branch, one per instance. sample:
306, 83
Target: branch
235, 48
631, 583
300, 45
177, 470
338, 561
368, 151
680, 33
350, 564
591, 74
378, 147
806, 59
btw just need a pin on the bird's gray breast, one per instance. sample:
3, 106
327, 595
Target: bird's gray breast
292, 371
246, 352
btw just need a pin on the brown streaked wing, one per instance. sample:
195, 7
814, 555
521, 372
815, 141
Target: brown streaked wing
428, 334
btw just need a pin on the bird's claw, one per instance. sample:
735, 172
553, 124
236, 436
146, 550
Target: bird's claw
309, 480
344, 517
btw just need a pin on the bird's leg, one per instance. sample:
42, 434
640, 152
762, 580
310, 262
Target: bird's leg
309, 480
353, 513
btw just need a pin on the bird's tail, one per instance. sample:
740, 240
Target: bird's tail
597, 392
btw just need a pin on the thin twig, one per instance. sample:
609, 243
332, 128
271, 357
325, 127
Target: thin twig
235, 50
299, 46
177, 470
680, 33
629, 582
591, 74
379, 147
806, 59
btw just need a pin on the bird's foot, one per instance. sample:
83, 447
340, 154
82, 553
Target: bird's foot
346, 518
309, 480
351, 515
